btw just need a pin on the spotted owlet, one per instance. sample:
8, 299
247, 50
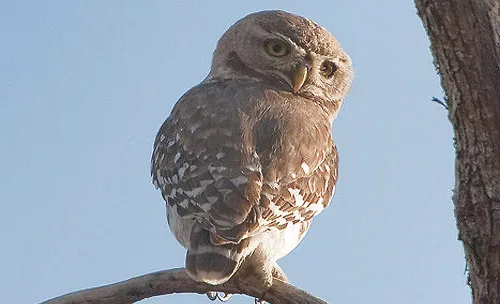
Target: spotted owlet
246, 158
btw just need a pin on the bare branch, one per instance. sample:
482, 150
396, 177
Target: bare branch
176, 281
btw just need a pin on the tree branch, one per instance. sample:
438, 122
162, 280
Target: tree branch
177, 281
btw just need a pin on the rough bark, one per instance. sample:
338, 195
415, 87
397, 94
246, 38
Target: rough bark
465, 42
176, 281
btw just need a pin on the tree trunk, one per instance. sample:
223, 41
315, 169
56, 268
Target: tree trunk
465, 42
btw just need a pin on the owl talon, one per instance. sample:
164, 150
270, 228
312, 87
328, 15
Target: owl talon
224, 297
212, 295
221, 296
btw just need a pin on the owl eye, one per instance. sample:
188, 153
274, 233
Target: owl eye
328, 68
276, 47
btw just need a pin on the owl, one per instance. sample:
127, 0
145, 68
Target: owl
246, 159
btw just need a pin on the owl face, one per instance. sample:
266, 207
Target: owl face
290, 52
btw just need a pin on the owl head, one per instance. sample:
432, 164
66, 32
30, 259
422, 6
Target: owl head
287, 51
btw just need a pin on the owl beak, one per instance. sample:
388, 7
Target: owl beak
298, 78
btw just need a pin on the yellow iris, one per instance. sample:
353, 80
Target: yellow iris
276, 47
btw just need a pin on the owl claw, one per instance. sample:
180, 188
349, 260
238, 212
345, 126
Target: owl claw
212, 295
223, 297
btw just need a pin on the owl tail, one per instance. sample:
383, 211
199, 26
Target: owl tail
209, 263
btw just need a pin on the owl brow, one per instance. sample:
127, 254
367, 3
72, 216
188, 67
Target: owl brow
296, 47
287, 39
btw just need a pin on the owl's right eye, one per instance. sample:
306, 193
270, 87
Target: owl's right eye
276, 47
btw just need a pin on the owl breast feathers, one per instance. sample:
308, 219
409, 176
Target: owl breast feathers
246, 158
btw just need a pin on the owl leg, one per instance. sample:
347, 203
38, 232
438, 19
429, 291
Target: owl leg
276, 273
264, 274
256, 271
279, 274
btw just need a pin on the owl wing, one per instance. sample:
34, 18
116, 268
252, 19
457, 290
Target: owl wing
204, 166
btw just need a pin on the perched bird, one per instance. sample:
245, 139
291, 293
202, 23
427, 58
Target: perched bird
246, 158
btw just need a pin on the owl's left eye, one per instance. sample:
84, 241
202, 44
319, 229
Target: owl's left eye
328, 68
276, 47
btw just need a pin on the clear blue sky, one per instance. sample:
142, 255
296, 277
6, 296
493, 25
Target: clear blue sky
84, 86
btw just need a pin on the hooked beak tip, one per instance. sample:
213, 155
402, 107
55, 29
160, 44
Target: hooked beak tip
298, 78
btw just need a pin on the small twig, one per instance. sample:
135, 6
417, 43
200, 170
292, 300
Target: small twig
435, 99
176, 281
